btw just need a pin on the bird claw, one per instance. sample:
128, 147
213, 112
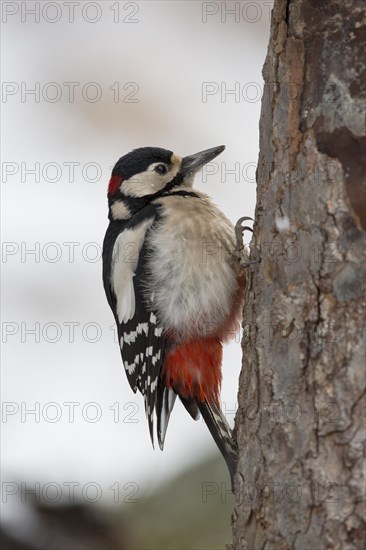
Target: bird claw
244, 219
240, 251
247, 263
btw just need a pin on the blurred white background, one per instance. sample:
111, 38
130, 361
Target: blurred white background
84, 83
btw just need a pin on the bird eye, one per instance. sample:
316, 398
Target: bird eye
161, 169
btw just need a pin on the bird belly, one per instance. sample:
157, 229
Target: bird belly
191, 273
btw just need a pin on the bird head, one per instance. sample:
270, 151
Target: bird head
149, 172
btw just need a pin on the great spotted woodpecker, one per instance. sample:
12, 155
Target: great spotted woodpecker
175, 285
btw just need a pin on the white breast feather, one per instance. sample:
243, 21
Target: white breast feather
125, 257
190, 266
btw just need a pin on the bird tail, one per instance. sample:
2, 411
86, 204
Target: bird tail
221, 432
164, 406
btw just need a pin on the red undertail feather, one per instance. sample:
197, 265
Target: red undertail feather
193, 369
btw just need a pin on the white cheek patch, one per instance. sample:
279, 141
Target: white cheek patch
125, 258
150, 182
140, 185
120, 211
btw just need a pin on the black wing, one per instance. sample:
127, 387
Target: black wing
141, 337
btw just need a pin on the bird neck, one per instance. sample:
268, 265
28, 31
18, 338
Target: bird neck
126, 207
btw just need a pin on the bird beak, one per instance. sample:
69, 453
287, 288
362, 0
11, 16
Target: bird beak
192, 163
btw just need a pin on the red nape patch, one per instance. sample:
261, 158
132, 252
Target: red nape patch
193, 369
114, 183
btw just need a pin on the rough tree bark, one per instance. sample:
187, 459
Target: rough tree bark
301, 399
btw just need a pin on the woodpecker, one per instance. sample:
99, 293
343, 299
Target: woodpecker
174, 282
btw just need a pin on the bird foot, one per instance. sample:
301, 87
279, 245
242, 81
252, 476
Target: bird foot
240, 251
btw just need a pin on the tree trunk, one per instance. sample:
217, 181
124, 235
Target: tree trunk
300, 422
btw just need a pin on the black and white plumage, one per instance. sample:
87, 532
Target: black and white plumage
139, 334
174, 285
